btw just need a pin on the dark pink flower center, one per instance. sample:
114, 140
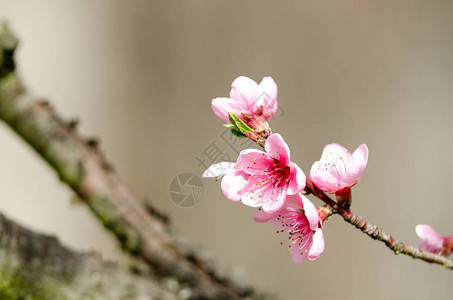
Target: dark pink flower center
278, 174
271, 182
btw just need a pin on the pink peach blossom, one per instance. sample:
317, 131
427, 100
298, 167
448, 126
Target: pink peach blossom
432, 241
300, 219
272, 175
248, 100
262, 179
339, 168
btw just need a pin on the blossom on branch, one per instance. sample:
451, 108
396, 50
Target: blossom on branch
262, 179
339, 168
272, 175
248, 97
254, 104
270, 181
432, 241
300, 219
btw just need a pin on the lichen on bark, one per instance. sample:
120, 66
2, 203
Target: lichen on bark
37, 267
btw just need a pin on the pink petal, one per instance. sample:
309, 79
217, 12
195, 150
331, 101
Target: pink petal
233, 183
323, 179
298, 255
261, 216
359, 162
428, 234
289, 212
267, 96
243, 90
349, 179
297, 180
360, 156
317, 247
424, 245
245, 151
274, 204
277, 148
219, 169
250, 196
260, 192
222, 106
254, 161
310, 212
294, 201
333, 149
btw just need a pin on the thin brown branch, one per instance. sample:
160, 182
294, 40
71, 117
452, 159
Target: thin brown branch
398, 247
376, 233
371, 230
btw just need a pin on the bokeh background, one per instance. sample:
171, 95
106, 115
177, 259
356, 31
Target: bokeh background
140, 76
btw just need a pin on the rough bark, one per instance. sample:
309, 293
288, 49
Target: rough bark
81, 165
36, 266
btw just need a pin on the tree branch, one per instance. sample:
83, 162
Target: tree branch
38, 266
80, 164
376, 233
398, 247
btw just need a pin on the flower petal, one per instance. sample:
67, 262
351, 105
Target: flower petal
222, 106
333, 149
323, 179
233, 183
428, 234
243, 90
294, 201
277, 148
298, 255
317, 246
300, 252
360, 155
250, 196
245, 151
311, 213
355, 171
297, 179
261, 216
254, 161
275, 203
267, 96
218, 169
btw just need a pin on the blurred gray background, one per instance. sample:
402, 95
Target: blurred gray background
141, 74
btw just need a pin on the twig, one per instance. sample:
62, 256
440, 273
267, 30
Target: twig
398, 247
376, 233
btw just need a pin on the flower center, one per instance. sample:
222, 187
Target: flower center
297, 225
272, 182
278, 174
335, 163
